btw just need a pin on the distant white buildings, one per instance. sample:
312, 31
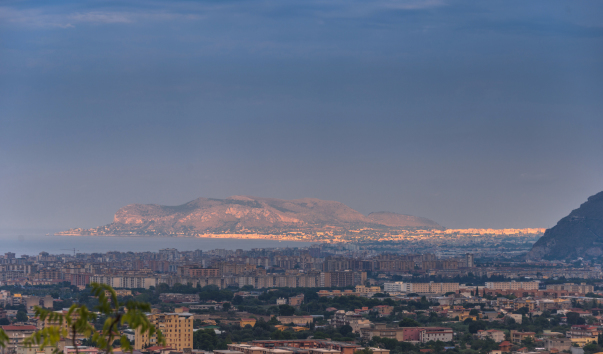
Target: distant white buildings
431, 287
512, 285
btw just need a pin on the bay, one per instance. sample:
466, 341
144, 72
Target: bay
32, 242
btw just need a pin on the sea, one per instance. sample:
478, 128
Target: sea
32, 242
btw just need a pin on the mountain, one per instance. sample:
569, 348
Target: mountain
242, 214
580, 234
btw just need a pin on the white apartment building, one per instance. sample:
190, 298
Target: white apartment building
431, 287
128, 282
512, 285
393, 287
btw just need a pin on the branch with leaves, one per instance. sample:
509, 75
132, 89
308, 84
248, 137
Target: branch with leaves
78, 321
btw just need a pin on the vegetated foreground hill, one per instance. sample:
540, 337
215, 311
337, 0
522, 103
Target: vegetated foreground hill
241, 214
580, 234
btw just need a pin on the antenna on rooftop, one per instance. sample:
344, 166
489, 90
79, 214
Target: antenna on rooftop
70, 249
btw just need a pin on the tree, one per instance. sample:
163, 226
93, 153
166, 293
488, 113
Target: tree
408, 322
346, 330
78, 321
207, 340
366, 350
22, 316
529, 343
591, 348
572, 318
237, 300
286, 310
226, 306
475, 326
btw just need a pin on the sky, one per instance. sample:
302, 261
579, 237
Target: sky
470, 113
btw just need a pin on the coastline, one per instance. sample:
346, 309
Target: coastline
205, 236
35, 243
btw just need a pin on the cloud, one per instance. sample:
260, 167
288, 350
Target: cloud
65, 17
32, 18
44, 18
410, 4
102, 17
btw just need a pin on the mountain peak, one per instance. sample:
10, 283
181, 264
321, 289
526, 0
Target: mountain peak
249, 214
580, 234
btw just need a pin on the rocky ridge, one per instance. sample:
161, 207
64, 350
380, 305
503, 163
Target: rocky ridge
580, 234
244, 214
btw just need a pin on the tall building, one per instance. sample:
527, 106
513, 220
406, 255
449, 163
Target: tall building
469, 258
341, 279
177, 328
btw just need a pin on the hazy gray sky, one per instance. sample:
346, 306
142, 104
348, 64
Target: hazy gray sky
471, 113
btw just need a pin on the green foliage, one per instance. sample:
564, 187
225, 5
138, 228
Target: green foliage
237, 300
574, 318
237, 334
476, 326
408, 322
522, 311
212, 292
393, 345
591, 348
21, 316
3, 338
286, 310
208, 340
346, 330
528, 343
366, 350
79, 321
482, 345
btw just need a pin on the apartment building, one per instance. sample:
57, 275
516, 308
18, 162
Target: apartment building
297, 320
177, 328
350, 318
584, 331
512, 285
280, 281
559, 343
517, 337
431, 287
395, 287
175, 297
495, 334
340, 279
582, 288
361, 289
17, 334
128, 282
197, 272
408, 334
436, 334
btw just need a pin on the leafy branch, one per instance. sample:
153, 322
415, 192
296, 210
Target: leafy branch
78, 321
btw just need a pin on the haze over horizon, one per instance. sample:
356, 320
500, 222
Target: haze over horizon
472, 114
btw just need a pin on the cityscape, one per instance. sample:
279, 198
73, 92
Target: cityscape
301, 177
332, 297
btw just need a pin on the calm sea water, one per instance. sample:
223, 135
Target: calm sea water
33, 242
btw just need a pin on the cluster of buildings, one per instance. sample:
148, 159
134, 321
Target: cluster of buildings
258, 268
327, 266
